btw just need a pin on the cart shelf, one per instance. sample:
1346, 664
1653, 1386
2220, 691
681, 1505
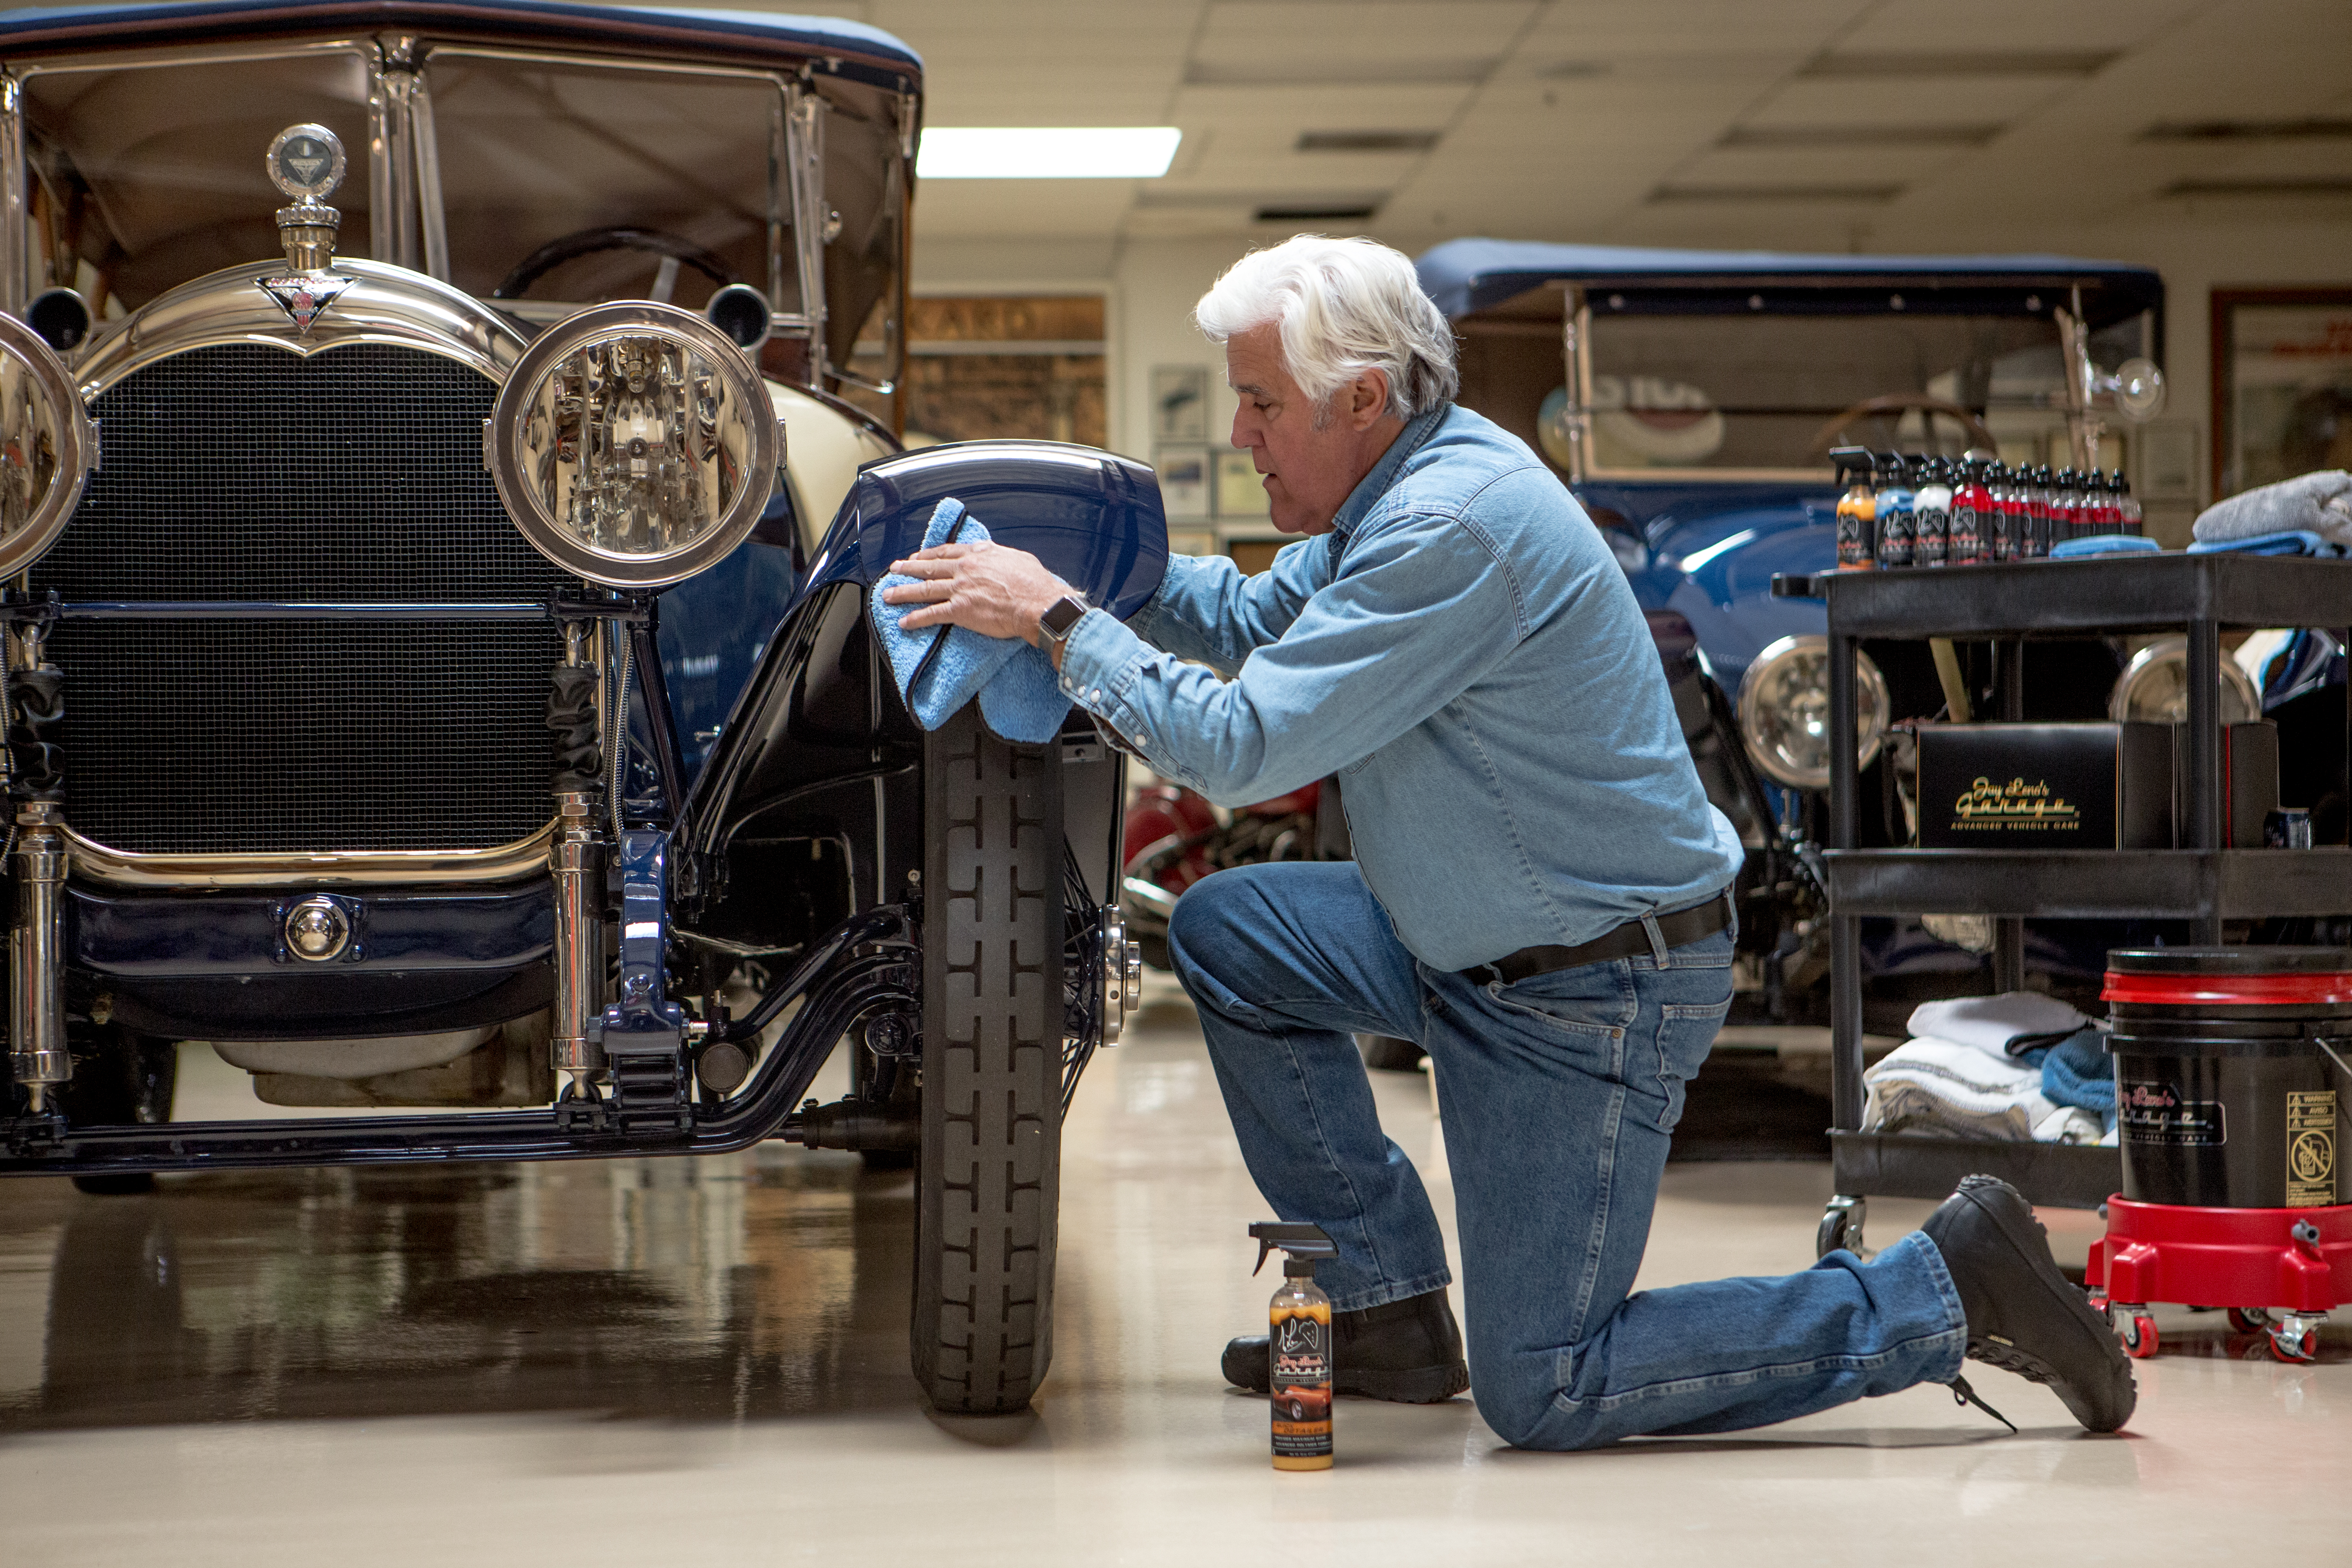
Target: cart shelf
2091, 884
2201, 883
2094, 597
1912, 1165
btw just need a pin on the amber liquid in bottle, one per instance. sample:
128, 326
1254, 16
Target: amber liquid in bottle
1299, 1343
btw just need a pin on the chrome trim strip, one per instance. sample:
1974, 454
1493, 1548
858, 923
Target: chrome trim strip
340, 868
806, 142
384, 305
14, 263
194, 55
432, 222
625, 65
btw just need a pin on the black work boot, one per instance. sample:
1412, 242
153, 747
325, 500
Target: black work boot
1408, 1351
2023, 1317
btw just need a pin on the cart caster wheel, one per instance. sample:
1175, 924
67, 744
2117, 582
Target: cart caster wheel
2136, 1329
2250, 1320
1841, 1227
2296, 1343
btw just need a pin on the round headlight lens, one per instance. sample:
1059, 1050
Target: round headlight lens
46, 447
634, 444
1784, 712
2155, 687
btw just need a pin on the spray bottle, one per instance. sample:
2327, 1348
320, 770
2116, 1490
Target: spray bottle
1896, 535
1299, 1345
1857, 510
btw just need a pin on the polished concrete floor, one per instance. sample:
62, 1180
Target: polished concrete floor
665, 1362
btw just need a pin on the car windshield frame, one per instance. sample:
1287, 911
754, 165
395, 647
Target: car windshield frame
406, 218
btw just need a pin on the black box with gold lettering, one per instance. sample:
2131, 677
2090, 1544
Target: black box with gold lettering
2046, 786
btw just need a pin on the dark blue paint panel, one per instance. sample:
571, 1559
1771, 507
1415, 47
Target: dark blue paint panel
1093, 519
150, 937
713, 629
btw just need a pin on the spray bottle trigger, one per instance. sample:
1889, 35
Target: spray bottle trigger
1299, 1240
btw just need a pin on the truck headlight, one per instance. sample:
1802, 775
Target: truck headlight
633, 444
48, 447
1784, 710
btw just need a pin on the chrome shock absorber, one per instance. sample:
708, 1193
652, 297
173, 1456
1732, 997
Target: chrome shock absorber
37, 1057
576, 861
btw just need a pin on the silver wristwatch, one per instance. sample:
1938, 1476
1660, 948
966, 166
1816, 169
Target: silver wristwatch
1061, 618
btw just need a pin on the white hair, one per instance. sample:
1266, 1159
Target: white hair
1344, 307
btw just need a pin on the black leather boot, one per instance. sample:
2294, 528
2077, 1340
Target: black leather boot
1408, 1351
2023, 1317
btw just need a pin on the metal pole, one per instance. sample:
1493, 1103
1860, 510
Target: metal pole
2203, 828
1845, 935
1576, 368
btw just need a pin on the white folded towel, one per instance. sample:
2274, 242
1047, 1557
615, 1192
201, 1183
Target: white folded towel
1941, 1086
2005, 1025
2319, 502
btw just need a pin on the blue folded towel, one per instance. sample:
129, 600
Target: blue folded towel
2104, 544
2078, 1072
2289, 542
1020, 696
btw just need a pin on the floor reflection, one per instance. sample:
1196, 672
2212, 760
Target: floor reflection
764, 1284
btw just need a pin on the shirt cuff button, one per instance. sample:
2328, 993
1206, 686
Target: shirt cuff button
1141, 741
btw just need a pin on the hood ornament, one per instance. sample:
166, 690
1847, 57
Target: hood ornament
306, 163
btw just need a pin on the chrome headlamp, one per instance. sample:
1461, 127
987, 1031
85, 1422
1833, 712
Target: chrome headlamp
48, 447
634, 444
2155, 687
1784, 710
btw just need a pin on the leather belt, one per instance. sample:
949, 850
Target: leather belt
1628, 941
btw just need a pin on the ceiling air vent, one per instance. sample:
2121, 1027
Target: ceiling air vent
1367, 141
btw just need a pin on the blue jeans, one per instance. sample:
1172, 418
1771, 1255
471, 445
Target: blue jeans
1558, 1094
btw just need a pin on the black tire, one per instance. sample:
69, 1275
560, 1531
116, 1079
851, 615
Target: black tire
119, 1078
1386, 1053
988, 1181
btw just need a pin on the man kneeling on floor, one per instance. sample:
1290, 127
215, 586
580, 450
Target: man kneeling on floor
1541, 898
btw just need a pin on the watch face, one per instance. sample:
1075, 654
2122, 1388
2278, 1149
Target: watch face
1061, 615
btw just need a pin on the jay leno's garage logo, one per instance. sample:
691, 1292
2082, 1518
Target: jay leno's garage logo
304, 296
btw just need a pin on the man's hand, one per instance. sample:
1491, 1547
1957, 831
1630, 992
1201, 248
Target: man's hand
996, 591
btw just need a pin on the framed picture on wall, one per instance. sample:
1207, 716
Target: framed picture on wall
1240, 491
2282, 384
1183, 480
1179, 403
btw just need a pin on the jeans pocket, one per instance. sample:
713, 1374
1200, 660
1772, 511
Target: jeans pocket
1686, 1033
1590, 999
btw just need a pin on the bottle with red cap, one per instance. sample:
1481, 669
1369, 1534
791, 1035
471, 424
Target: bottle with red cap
1971, 525
2011, 489
2067, 516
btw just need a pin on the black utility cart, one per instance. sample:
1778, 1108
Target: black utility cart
2200, 882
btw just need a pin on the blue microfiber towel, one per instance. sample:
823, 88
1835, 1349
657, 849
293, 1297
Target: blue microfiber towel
1019, 697
2104, 544
2078, 1072
2291, 541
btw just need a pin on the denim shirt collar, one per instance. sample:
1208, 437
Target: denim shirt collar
1375, 485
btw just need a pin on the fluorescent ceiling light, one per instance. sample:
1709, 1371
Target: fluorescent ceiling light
1046, 152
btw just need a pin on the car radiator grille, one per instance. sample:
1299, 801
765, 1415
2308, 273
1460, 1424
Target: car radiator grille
242, 472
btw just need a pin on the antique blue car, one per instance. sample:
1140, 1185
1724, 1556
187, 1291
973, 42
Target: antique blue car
1691, 400
438, 533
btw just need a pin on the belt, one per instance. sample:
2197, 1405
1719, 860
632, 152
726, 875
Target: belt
1627, 941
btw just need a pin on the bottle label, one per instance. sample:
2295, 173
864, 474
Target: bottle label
1966, 546
1895, 537
1932, 543
1301, 1344
1856, 525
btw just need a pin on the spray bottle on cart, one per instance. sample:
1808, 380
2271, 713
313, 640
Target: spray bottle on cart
1971, 531
1931, 513
1298, 1346
1857, 510
1896, 540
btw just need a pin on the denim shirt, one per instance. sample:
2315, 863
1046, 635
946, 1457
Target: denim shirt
1464, 652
